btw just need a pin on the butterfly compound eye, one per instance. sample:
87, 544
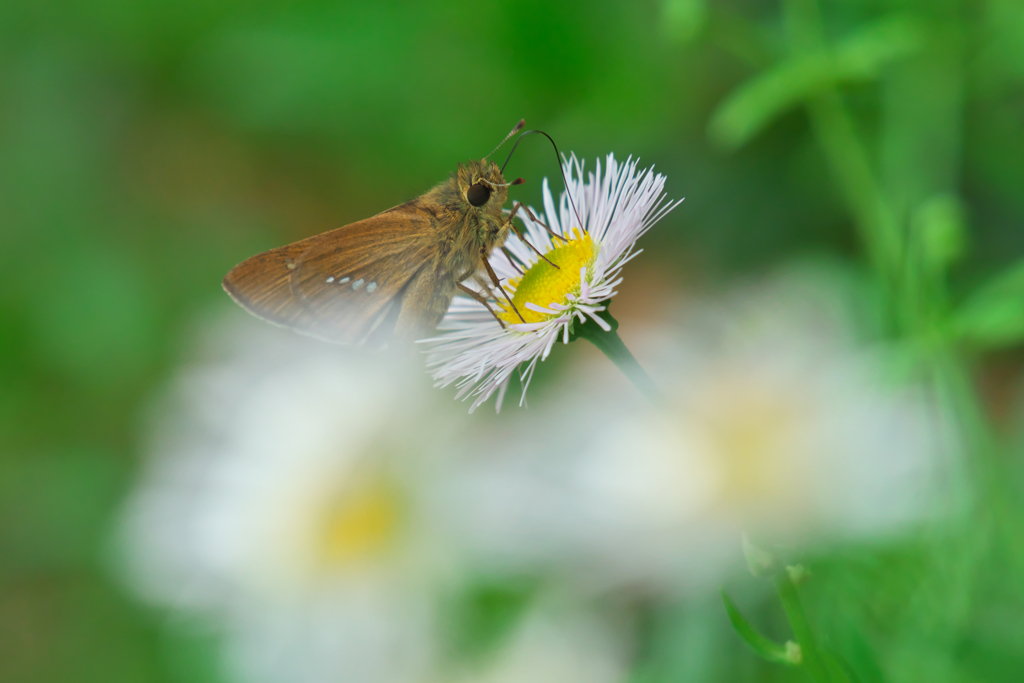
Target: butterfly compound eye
478, 194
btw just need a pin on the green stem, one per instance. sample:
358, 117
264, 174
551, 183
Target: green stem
762, 646
611, 345
812, 660
850, 163
845, 153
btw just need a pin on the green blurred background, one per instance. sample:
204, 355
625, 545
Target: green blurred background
146, 147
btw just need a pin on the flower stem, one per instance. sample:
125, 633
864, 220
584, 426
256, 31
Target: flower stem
812, 660
788, 654
611, 345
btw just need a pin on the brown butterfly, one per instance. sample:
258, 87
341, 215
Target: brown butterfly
393, 274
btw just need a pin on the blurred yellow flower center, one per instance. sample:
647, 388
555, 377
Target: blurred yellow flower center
543, 284
363, 522
754, 428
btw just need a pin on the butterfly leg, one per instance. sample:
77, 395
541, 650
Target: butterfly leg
512, 260
497, 283
515, 208
478, 297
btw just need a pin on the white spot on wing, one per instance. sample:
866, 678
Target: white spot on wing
357, 285
370, 287
330, 279
343, 281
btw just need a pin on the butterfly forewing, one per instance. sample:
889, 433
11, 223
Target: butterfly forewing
346, 285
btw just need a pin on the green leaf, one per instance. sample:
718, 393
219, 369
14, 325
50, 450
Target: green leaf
993, 316
939, 227
485, 612
839, 670
864, 53
762, 646
683, 20
861, 56
756, 103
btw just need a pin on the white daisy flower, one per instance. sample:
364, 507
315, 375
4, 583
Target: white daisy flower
556, 643
280, 505
774, 423
616, 204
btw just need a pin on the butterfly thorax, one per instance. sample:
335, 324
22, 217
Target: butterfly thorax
465, 232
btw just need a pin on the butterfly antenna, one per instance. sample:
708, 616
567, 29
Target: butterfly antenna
519, 127
558, 155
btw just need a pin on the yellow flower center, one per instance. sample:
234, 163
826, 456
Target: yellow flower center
543, 284
755, 428
361, 524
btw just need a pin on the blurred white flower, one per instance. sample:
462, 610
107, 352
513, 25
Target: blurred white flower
617, 205
776, 424
282, 498
557, 644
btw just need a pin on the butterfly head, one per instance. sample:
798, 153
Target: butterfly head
482, 185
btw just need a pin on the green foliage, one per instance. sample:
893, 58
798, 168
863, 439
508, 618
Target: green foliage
762, 646
484, 613
993, 315
861, 56
938, 226
683, 20
146, 147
